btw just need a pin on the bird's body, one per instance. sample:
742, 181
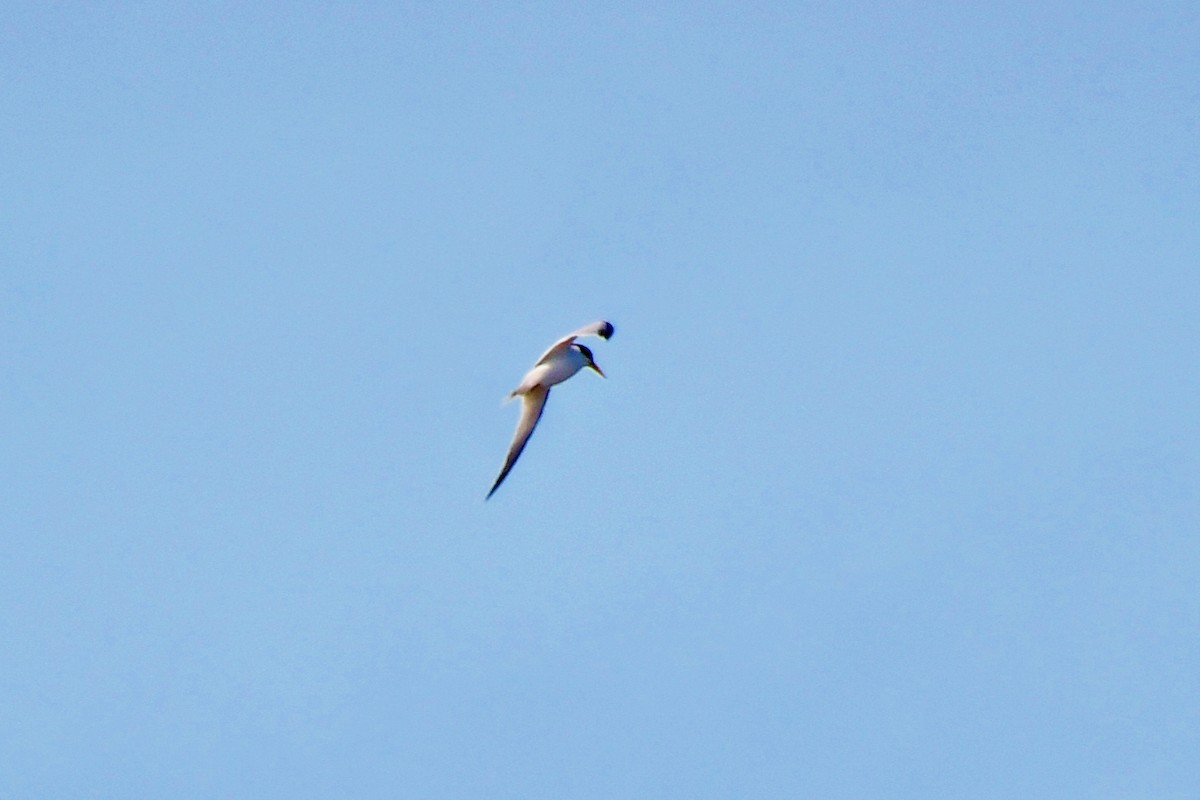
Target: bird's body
564, 358
552, 369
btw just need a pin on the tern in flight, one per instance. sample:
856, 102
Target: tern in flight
564, 358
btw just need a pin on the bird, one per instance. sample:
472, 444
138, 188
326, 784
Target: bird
564, 358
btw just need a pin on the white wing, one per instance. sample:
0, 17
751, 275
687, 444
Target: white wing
532, 403
598, 328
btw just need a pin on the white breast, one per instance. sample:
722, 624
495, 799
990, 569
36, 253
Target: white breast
556, 370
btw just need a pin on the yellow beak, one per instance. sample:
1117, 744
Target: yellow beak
598, 371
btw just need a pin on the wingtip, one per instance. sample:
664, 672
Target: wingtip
607, 331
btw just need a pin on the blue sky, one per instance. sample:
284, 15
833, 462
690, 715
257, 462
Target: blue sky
891, 491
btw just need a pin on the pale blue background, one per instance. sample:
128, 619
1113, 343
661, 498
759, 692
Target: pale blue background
891, 492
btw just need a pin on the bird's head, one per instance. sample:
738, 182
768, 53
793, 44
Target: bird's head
591, 362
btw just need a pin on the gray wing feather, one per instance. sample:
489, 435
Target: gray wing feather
532, 404
600, 328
